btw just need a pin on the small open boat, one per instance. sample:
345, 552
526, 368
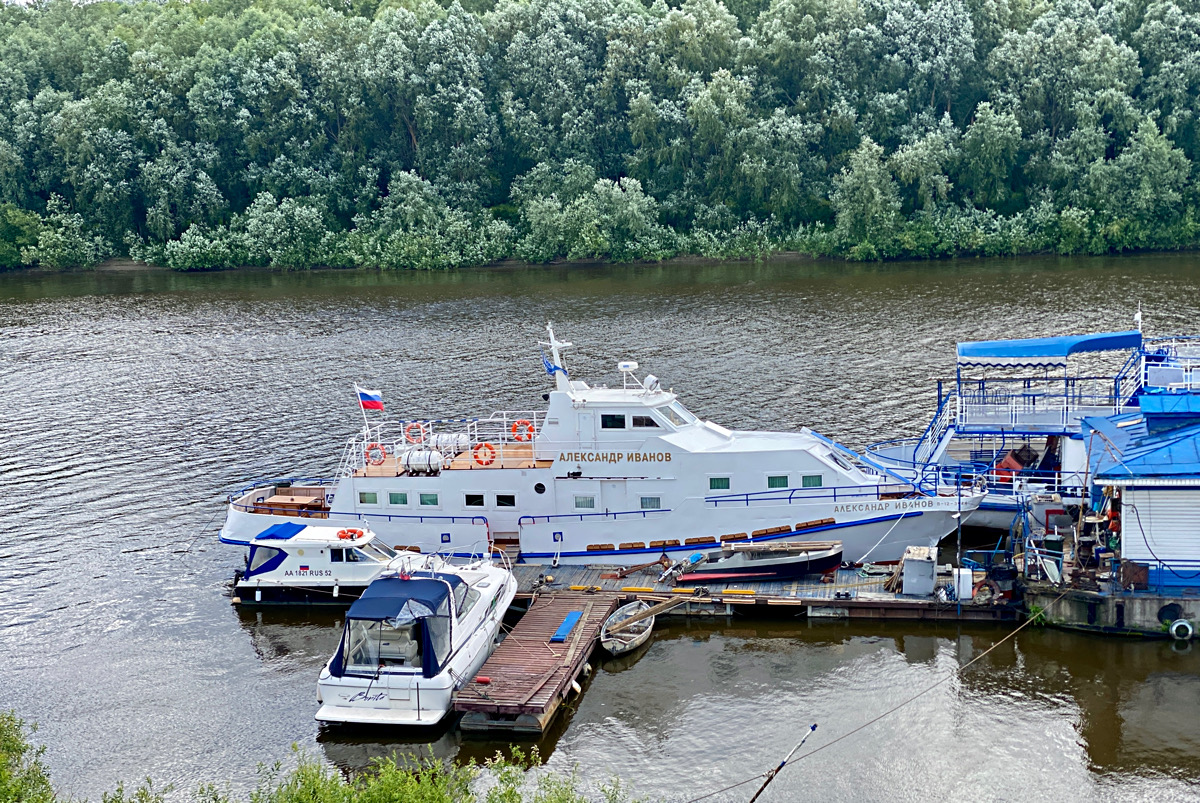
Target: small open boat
617, 637
779, 560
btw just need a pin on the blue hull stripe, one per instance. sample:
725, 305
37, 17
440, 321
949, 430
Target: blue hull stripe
689, 548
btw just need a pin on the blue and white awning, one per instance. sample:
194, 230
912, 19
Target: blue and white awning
1043, 351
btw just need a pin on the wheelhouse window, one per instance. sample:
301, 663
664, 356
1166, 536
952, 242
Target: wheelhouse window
473, 500
651, 503
777, 481
428, 500
370, 645
644, 421
506, 500
398, 498
811, 481
368, 498
612, 421
677, 414
585, 503
338, 555
718, 483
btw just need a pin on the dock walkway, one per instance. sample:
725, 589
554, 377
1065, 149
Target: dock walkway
528, 676
849, 596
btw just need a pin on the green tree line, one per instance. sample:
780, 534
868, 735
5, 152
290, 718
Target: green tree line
423, 134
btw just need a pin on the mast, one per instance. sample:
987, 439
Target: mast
554, 365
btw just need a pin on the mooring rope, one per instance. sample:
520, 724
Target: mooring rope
891, 710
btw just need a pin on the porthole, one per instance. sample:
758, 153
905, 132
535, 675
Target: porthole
539, 488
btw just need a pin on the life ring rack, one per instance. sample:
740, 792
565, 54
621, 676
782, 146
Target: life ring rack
523, 430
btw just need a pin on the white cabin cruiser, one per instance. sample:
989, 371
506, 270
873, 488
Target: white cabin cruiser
291, 562
413, 639
613, 476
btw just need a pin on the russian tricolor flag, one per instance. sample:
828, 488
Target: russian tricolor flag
370, 399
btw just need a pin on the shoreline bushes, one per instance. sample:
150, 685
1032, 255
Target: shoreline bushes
24, 778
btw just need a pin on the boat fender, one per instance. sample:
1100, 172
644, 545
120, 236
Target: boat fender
1181, 630
575, 687
420, 430
378, 448
523, 430
484, 454
483, 680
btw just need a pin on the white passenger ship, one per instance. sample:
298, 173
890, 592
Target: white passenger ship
617, 476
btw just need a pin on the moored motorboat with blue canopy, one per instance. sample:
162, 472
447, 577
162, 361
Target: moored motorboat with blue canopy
411, 640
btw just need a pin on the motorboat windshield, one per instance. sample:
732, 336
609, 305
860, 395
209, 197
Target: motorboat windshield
399, 621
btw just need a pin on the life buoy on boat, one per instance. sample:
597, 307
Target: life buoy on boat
420, 436
484, 454
523, 430
349, 535
378, 448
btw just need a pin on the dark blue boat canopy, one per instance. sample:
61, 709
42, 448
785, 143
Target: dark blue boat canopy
396, 598
1042, 351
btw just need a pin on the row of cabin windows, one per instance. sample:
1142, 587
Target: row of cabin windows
397, 498
589, 502
773, 481
502, 500
400, 499
617, 421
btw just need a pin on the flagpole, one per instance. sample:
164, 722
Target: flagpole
363, 410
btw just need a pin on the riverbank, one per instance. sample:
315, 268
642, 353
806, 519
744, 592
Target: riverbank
24, 778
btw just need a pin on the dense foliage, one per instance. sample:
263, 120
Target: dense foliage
24, 779
408, 133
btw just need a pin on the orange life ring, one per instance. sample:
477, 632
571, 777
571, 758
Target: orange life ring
523, 430
419, 427
375, 447
349, 535
484, 454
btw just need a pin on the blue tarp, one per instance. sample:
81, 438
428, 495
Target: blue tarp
280, 532
1038, 351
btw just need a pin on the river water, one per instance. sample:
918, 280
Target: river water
132, 400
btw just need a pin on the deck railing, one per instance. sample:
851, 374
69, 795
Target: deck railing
793, 496
1048, 404
613, 515
946, 414
451, 437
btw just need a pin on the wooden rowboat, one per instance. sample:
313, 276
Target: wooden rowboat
623, 637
